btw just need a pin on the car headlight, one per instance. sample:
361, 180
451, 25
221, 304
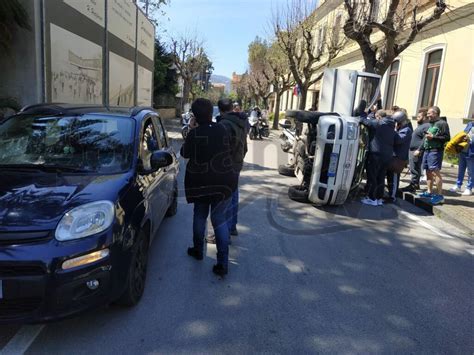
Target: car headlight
85, 220
351, 130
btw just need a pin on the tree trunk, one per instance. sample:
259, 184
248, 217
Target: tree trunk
276, 112
186, 92
304, 94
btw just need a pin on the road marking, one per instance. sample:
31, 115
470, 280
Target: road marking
22, 340
423, 223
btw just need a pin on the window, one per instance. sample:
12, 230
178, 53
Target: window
149, 144
161, 132
431, 77
392, 84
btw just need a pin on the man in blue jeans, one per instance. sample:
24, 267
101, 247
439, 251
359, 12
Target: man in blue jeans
466, 161
209, 181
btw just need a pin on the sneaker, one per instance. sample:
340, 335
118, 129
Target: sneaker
425, 194
467, 192
437, 199
368, 201
219, 270
196, 254
455, 188
211, 239
234, 232
379, 202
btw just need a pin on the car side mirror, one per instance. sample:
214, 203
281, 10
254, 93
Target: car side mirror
160, 159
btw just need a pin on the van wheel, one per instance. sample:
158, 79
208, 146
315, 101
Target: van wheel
173, 209
286, 170
136, 277
298, 193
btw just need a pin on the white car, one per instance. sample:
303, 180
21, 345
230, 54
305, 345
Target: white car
329, 154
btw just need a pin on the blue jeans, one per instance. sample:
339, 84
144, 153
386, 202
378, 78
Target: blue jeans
233, 210
219, 223
466, 162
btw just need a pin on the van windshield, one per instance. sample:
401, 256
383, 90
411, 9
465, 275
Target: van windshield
84, 143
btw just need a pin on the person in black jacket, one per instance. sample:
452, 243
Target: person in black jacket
236, 124
209, 181
416, 141
382, 138
404, 131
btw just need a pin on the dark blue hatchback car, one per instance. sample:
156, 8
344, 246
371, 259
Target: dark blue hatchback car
82, 192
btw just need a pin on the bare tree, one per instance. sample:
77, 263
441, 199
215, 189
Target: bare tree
308, 45
399, 23
190, 59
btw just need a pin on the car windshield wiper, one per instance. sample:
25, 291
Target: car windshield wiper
45, 167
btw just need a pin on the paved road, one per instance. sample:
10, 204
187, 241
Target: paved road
302, 279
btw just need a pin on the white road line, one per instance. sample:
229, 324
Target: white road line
22, 340
423, 223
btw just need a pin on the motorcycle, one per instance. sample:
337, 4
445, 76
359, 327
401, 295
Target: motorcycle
258, 126
185, 118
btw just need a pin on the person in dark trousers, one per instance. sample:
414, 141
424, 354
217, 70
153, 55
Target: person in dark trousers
416, 141
433, 150
404, 131
209, 181
382, 138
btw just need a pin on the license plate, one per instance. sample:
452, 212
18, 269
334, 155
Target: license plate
333, 164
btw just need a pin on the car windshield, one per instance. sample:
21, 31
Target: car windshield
90, 143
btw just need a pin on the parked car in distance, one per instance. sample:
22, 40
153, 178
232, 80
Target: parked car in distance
83, 191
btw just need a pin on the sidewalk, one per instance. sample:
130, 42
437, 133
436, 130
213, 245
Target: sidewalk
457, 210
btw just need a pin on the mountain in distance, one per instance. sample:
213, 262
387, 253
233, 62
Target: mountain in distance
221, 79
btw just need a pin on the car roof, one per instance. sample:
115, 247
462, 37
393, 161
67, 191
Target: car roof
74, 109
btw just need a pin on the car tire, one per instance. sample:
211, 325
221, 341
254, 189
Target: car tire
298, 193
173, 209
286, 170
136, 277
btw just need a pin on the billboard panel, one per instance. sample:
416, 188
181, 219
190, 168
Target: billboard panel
76, 68
146, 36
122, 20
121, 81
93, 9
144, 87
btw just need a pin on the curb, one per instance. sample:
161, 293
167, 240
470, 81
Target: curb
437, 211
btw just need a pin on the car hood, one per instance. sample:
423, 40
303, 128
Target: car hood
37, 201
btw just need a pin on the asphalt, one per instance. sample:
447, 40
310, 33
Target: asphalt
302, 279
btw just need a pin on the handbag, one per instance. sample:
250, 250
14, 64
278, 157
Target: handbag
397, 165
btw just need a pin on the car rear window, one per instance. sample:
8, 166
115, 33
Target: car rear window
100, 144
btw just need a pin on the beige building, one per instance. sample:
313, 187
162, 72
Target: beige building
437, 69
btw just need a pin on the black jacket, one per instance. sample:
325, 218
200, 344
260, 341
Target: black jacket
209, 175
419, 135
235, 124
382, 136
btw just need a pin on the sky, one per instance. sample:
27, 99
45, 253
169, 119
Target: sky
226, 26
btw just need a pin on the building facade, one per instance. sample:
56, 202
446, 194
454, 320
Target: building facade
436, 69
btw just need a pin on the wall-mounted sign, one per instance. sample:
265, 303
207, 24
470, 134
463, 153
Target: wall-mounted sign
146, 36
93, 9
121, 81
76, 68
122, 20
144, 87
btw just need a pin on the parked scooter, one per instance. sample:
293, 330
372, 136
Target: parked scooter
288, 136
185, 118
